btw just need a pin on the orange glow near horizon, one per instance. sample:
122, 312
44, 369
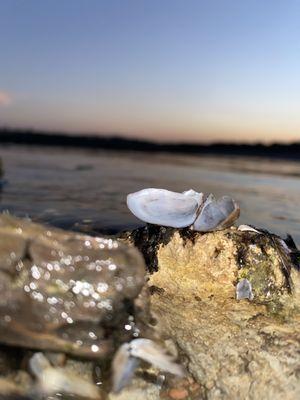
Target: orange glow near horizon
166, 71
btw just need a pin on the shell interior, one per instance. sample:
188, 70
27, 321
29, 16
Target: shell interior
216, 214
180, 210
163, 207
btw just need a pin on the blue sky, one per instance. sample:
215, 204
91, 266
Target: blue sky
164, 70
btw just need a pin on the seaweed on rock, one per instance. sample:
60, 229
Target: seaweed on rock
149, 237
266, 261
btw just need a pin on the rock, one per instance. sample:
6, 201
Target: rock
227, 302
138, 390
10, 391
69, 301
16, 386
235, 349
74, 379
9, 359
178, 394
2, 181
66, 292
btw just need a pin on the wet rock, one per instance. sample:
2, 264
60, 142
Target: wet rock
66, 292
62, 381
227, 301
235, 349
56, 359
16, 386
10, 391
178, 394
9, 359
138, 390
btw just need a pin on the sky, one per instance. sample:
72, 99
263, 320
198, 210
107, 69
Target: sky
166, 70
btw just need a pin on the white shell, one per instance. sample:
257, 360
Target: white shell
197, 196
129, 354
247, 228
244, 290
123, 367
216, 214
163, 207
153, 353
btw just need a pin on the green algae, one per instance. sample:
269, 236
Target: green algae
260, 261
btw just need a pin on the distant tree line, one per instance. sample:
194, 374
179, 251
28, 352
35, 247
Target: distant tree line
29, 137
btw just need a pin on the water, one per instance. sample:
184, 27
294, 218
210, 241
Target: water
86, 190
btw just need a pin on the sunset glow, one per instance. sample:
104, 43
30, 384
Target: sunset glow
177, 71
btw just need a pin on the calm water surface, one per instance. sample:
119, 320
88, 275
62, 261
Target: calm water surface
86, 190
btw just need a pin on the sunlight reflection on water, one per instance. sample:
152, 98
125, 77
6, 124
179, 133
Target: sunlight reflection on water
86, 190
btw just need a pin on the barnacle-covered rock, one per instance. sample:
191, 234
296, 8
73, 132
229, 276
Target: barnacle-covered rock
230, 300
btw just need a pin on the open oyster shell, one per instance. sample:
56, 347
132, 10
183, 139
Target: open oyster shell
216, 214
163, 207
181, 210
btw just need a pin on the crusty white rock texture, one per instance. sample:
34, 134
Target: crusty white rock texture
236, 349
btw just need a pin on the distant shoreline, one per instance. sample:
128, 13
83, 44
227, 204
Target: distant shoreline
25, 137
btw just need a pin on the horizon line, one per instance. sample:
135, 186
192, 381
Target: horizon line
117, 135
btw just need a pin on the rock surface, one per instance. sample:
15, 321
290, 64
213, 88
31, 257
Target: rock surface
235, 349
66, 292
232, 349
